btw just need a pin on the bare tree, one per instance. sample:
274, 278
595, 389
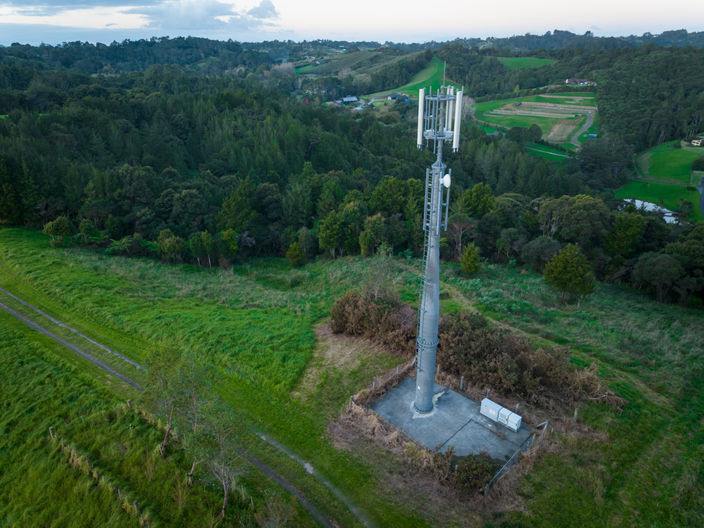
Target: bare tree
195, 380
217, 446
276, 512
163, 391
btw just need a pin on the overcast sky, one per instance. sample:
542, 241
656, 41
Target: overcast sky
55, 21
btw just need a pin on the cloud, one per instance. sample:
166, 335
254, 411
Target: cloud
189, 14
265, 9
53, 7
158, 14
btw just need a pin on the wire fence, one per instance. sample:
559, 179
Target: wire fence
510, 462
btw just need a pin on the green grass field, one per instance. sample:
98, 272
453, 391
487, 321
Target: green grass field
255, 326
522, 63
662, 194
303, 69
666, 163
546, 152
430, 76
44, 485
641, 467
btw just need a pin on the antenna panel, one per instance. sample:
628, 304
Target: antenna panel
421, 107
458, 122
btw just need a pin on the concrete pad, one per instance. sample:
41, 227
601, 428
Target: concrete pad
455, 421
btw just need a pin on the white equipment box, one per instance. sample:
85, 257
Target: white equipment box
494, 411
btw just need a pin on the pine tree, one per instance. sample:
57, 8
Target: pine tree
470, 259
569, 272
295, 255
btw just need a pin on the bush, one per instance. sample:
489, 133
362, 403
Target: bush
698, 164
486, 356
59, 230
378, 314
295, 255
470, 259
539, 251
468, 346
473, 473
569, 272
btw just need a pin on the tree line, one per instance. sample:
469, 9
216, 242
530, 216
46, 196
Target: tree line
209, 170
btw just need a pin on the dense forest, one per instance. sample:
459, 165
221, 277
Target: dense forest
211, 157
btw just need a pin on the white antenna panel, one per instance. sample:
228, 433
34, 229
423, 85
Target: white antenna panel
458, 122
421, 105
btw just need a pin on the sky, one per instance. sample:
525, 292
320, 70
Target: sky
56, 21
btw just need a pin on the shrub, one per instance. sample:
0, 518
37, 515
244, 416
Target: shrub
59, 230
378, 314
473, 473
470, 259
569, 272
295, 255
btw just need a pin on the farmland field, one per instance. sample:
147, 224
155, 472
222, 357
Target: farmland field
521, 63
558, 115
259, 327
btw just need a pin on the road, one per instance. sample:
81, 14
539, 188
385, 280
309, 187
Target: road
700, 188
589, 122
264, 468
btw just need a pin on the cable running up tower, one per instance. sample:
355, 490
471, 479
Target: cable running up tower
439, 120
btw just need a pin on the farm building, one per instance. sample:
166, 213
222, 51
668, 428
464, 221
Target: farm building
350, 99
579, 82
698, 142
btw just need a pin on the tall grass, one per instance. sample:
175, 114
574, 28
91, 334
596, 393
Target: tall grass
255, 325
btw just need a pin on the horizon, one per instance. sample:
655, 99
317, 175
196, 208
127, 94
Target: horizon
105, 21
301, 40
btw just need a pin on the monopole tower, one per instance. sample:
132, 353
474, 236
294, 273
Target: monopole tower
439, 120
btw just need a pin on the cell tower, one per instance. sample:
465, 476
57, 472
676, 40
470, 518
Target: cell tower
439, 119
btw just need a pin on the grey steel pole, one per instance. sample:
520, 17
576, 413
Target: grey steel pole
427, 339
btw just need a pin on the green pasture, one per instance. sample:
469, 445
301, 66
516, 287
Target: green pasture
303, 69
522, 63
42, 487
255, 326
430, 76
642, 466
667, 163
662, 194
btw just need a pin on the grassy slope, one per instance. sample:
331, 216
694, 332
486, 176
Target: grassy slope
650, 354
255, 326
430, 76
546, 152
47, 387
649, 468
521, 63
